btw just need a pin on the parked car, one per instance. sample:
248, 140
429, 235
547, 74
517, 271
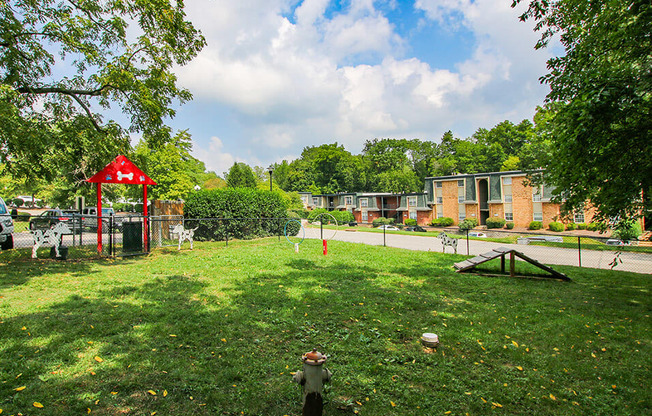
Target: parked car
477, 234
90, 218
6, 227
388, 228
50, 217
615, 242
416, 228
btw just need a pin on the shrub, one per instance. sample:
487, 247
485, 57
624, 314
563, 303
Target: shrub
468, 224
317, 213
292, 228
555, 226
343, 217
535, 225
593, 226
581, 226
495, 223
23, 217
18, 202
509, 225
442, 222
571, 226
244, 213
410, 221
302, 213
627, 231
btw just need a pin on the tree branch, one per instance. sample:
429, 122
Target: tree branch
59, 90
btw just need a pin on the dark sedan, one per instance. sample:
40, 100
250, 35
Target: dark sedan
51, 217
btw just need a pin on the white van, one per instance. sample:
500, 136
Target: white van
6, 227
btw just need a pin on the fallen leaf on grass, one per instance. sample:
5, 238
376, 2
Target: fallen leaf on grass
152, 392
497, 404
483, 400
98, 359
552, 397
515, 344
37, 404
392, 403
21, 388
165, 393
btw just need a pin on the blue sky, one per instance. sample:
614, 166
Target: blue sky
279, 75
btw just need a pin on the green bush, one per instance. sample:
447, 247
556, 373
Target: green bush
495, 223
18, 202
468, 224
241, 213
410, 221
581, 226
380, 221
343, 217
509, 225
592, 226
292, 228
442, 222
23, 217
316, 213
571, 226
555, 226
535, 225
302, 213
627, 231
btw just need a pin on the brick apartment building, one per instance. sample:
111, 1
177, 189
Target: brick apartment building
505, 195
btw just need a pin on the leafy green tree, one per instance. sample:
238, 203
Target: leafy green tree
240, 176
174, 169
62, 63
602, 129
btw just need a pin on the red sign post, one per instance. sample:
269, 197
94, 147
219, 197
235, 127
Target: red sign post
121, 170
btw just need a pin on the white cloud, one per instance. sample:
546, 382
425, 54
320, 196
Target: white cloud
307, 78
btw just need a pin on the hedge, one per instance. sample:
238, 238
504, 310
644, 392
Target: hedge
571, 226
468, 224
410, 221
495, 223
556, 226
241, 213
442, 222
509, 225
382, 221
535, 225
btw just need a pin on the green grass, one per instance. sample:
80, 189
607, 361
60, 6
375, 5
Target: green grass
218, 331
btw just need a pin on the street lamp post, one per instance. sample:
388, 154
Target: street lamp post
270, 169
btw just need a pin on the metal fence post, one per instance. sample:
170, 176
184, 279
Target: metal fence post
579, 250
384, 239
467, 243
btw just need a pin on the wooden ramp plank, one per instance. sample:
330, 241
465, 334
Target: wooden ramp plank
502, 251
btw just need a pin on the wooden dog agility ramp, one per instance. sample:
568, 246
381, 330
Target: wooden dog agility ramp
501, 252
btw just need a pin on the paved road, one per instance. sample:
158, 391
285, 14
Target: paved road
633, 262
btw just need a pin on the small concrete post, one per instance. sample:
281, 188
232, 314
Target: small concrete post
312, 378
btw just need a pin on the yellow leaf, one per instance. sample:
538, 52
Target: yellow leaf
98, 359
613, 386
515, 344
223, 339
0, 411
114, 393
165, 393
152, 392
392, 403
23, 328
152, 414
172, 335
552, 397
483, 400
37, 404
21, 388
88, 410
497, 404
448, 413
519, 368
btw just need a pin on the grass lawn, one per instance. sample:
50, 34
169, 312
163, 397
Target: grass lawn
218, 331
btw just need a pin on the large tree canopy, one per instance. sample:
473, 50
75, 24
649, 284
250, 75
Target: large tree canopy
64, 62
601, 89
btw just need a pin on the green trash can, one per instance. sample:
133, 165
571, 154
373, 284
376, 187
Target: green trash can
132, 236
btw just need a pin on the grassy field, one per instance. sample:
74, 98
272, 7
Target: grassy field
218, 331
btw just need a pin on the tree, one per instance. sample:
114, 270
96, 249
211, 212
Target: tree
174, 169
240, 176
601, 131
64, 62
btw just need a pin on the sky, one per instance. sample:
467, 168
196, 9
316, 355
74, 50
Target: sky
279, 75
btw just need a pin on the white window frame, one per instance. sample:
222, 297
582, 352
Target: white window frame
460, 183
508, 198
507, 180
438, 185
509, 216
315, 201
412, 201
537, 216
462, 216
460, 199
348, 200
536, 194
413, 215
364, 216
364, 202
440, 200
577, 216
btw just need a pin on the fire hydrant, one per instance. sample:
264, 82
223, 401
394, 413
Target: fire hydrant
312, 378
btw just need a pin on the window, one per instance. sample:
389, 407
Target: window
507, 180
462, 216
460, 183
440, 200
364, 202
315, 201
509, 216
536, 195
440, 212
348, 200
578, 217
460, 199
413, 215
538, 216
412, 201
508, 198
438, 184
365, 216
